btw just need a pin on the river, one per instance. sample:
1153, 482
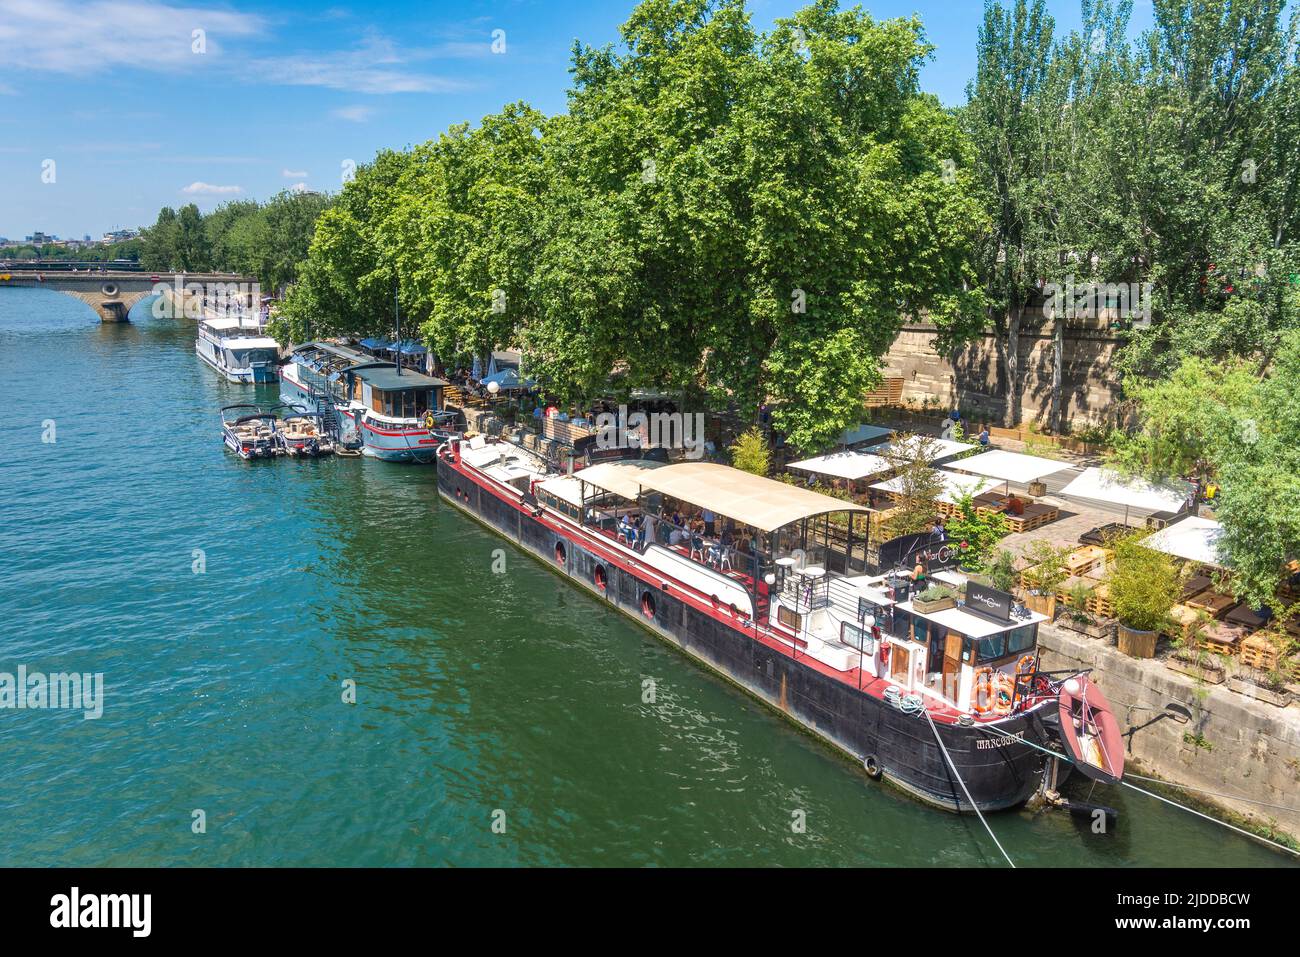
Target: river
499, 717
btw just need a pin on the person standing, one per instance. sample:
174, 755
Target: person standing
710, 524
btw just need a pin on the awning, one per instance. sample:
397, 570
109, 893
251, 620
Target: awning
1193, 538
564, 487
1107, 485
412, 348
374, 344
938, 448
864, 433
954, 485
1010, 466
846, 465
621, 478
751, 499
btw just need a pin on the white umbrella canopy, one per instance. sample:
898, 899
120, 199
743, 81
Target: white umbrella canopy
1010, 466
1107, 485
845, 465
1193, 538
954, 485
937, 448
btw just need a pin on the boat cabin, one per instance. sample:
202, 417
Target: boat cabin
382, 389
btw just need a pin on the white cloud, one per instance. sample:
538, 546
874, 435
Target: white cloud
354, 114
63, 36
376, 67
207, 189
291, 174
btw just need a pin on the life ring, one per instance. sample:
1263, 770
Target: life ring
1025, 670
429, 421
1004, 692
871, 764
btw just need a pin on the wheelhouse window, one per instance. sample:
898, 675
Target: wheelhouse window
857, 637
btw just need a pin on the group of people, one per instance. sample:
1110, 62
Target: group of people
954, 421
699, 532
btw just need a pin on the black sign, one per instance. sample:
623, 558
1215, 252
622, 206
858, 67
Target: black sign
988, 602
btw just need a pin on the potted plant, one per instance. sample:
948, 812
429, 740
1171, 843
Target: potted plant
1144, 586
1001, 570
935, 598
1192, 659
1045, 575
1077, 617
1270, 686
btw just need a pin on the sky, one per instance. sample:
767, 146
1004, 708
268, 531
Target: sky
112, 109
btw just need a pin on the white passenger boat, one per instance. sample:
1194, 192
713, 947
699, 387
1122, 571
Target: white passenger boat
238, 348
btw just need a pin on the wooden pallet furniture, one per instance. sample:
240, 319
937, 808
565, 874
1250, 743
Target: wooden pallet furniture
1258, 652
1100, 604
1035, 516
1212, 602
1220, 639
1085, 559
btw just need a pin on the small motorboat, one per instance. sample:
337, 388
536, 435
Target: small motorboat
250, 431
301, 435
1089, 731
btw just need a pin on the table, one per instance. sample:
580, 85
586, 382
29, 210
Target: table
813, 571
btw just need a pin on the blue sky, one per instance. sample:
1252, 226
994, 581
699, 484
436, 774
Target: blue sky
134, 118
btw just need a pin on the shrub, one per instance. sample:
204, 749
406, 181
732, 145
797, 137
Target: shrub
1143, 584
1047, 571
750, 452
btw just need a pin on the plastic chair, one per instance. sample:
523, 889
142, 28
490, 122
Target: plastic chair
724, 559
697, 547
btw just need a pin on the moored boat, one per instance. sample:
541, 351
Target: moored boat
301, 436
250, 431
237, 348
947, 702
392, 413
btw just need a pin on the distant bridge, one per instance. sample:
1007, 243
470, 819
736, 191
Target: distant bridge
113, 293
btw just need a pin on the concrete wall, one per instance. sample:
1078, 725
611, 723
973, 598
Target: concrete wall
1254, 746
972, 379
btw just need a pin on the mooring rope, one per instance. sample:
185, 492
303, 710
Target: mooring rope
1215, 820
957, 774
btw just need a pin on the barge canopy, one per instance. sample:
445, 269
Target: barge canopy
760, 502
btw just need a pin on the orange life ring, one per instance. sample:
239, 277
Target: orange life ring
1003, 689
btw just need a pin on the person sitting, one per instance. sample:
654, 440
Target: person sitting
1015, 505
984, 437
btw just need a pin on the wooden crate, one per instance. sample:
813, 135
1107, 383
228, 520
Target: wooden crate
1258, 652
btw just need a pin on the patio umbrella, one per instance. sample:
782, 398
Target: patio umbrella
1107, 485
1009, 466
1194, 538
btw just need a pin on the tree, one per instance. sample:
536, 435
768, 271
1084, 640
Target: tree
750, 452
918, 484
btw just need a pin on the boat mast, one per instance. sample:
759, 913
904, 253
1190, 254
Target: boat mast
397, 318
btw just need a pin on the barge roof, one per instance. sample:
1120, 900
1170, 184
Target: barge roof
763, 503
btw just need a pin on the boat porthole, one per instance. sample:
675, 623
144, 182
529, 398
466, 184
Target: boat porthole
871, 764
647, 604
560, 555
598, 576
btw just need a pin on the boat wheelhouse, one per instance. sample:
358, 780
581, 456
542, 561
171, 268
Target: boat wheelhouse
394, 414
761, 581
237, 348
